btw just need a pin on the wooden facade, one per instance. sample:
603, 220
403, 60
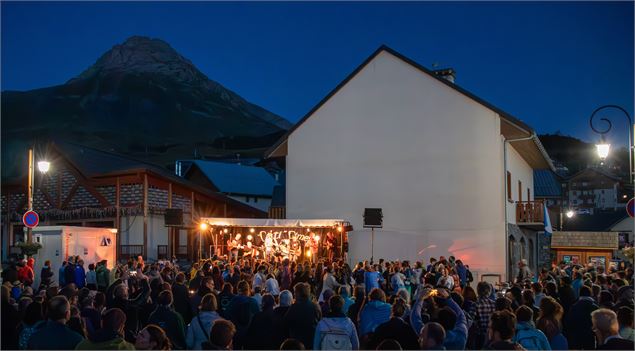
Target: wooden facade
584, 247
68, 195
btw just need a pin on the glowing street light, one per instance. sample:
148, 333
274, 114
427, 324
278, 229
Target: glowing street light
603, 149
43, 166
203, 226
570, 214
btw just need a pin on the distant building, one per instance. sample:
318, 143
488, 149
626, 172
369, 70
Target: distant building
89, 187
250, 185
397, 136
548, 186
593, 189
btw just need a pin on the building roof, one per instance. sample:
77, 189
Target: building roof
233, 178
93, 163
604, 240
546, 183
513, 122
599, 221
597, 171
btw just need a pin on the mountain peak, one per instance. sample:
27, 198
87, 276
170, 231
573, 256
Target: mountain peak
139, 54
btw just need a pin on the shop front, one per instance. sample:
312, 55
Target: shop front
584, 247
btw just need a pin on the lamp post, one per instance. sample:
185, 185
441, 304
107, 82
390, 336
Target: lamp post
43, 167
603, 147
569, 214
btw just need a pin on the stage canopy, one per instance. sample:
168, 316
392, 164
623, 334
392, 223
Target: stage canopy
271, 222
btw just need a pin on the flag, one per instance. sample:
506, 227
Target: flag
548, 229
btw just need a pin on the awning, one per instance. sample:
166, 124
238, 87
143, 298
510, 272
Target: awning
272, 222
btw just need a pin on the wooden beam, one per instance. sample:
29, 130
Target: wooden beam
71, 193
145, 216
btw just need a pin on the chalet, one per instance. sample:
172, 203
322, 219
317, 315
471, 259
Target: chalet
88, 187
452, 173
250, 185
594, 189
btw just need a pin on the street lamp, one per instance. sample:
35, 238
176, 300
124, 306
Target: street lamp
603, 147
43, 166
570, 214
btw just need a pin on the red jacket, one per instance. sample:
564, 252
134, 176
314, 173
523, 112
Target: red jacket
26, 274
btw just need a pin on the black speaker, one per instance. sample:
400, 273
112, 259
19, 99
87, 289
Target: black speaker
373, 218
173, 217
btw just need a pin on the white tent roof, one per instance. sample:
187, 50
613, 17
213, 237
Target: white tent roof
271, 222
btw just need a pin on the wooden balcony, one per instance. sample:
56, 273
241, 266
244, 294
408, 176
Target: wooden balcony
530, 213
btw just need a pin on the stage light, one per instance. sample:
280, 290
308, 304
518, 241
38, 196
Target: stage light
249, 237
252, 230
203, 226
339, 229
308, 229
308, 253
317, 238
226, 231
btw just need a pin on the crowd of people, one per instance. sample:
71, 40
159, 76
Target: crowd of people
256, 304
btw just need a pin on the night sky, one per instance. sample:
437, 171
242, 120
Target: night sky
549, 64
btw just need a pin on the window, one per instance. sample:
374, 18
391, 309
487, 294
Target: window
509, 186
520, 191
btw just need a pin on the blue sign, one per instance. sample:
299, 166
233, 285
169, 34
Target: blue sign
31, 219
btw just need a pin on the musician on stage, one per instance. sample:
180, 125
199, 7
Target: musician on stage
329, 245
235, 246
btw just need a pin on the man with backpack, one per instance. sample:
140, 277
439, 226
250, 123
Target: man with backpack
335, 331
526, 333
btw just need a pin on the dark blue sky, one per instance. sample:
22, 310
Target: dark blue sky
550, 64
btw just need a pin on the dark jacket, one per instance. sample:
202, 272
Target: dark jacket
261, 334
617, 344
182, 302
130, 306
504, 345
10, 321
54, 336
69, 274
578, 326
566, 297
172, 323
240, 311
105, 340
46, 276
396, 328
301, 320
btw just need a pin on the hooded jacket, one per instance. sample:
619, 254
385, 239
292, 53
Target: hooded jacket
195, 335
372, 315
335, 322
531, 338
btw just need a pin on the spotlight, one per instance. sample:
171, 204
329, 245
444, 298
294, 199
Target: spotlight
203, 226
252, 230
225, 230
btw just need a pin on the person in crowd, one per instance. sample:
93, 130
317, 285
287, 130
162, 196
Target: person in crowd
396, 328
624, 296
526, 333
206, 286
117, 297
91, 277
259, 278
33, 320
606, 329
483, 309
625, 320
285, 301
566, 295
432, 336
80, 274
372, 278
110, 336
343, 291
182, 298
577, 324
198, 330
221, 335
46, 274
261, 332
335, 330
502, 327
224, 298
169, 320
303, 315
292, 344
61, 275
328, 283
271, 286
374, 312
257, 296
550, 323
55, 335
152, 337
10, 321
240, 311
103, 276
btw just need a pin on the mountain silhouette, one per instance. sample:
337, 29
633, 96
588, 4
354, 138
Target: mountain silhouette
142, 99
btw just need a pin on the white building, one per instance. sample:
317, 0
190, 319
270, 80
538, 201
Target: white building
394, 135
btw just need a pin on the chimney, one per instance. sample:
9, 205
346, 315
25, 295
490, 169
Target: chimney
446, 73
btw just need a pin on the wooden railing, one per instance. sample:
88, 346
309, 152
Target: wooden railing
127, 251
529, 212
162, 251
